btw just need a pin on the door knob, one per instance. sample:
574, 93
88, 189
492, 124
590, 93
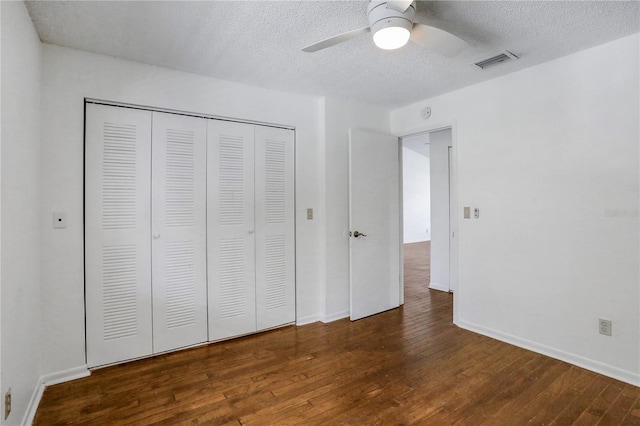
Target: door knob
156, 236
359, 234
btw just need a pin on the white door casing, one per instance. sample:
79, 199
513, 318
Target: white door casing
117, 248
374, 210
275, 227
178, 231
230, 229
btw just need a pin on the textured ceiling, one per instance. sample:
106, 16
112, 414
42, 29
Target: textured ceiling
259, 43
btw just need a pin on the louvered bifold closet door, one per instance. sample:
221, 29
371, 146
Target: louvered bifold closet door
178, 224
230, 229
117, 248
275, 227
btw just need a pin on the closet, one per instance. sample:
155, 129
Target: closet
250, 228
189, 231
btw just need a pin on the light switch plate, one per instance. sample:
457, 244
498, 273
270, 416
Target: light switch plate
467, 212
59, 220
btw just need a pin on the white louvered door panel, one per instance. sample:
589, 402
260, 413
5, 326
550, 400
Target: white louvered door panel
117, 250
178, 227
230, 229
275, 227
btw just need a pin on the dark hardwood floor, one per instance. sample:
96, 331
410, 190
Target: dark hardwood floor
406, 366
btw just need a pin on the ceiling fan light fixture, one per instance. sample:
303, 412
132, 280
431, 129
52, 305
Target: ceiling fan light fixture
390, 38
391, 33
391, 25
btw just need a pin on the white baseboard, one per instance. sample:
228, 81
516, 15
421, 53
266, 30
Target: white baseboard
48, 380
30, 414
307, 320
336, 316
65, 376
440, 287
328, 318
580, 361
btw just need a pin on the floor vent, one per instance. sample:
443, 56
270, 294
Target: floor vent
495, 60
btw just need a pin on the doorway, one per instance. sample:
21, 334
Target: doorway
428, 214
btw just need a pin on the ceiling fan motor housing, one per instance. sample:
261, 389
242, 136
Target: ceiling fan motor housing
382, 16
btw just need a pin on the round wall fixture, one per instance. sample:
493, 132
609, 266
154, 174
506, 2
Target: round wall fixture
426, 112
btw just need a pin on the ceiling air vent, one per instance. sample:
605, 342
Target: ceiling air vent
495, 60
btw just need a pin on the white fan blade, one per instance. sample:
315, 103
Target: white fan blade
437, 40
399, 5
331, 41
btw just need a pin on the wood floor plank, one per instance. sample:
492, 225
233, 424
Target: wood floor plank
633, 417
601, 404
521, 391
620, 407
410, 365
523, 409
582, 401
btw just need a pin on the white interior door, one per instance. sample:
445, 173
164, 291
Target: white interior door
374, 210
178, 228
275, 243
440, 181
117, 248
230, 229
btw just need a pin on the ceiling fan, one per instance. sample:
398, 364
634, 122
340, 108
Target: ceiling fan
391, 23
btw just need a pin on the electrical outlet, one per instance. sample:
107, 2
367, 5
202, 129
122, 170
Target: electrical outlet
309, 214
7, 404
604, 327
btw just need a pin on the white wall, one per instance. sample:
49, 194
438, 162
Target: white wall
547, 154
69, 76
20, 216
416, 203
340, 116
439, 149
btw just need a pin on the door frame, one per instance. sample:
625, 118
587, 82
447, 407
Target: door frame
453, 209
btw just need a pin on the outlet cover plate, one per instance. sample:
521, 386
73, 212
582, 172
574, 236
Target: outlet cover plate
604, 327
